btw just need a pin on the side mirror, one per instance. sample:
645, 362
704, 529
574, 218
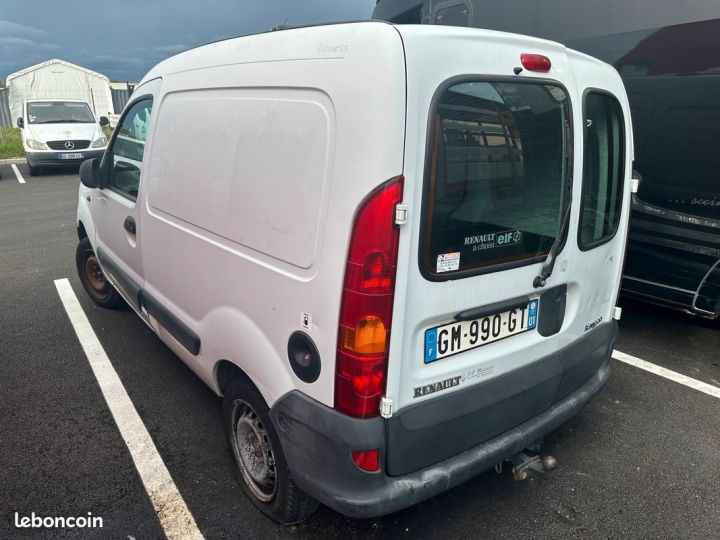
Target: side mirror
104, 121
91, 174
20, 123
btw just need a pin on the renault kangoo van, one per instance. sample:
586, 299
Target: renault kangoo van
394, 251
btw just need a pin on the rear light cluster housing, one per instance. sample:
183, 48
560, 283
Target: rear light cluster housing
366, 305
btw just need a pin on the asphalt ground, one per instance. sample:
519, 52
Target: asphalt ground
641, 461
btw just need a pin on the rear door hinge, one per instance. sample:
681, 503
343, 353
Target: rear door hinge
386, 407
401, 214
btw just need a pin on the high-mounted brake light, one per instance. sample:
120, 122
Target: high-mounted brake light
535, 62
366, 305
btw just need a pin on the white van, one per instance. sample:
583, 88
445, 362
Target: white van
60, 132
395, 251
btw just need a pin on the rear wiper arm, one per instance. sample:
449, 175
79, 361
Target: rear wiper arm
549, 264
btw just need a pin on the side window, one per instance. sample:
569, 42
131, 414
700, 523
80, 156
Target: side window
603, 170
128, 149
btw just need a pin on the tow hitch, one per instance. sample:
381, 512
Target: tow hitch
525, 466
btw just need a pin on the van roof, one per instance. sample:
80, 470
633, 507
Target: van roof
281, 43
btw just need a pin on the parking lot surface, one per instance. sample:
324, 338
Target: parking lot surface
641, 460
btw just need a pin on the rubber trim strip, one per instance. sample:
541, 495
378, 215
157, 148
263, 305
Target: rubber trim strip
128, 284
178, 329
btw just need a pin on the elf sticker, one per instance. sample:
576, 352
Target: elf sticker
447, 262
481, 242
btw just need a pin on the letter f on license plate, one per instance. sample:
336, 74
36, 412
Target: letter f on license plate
454, 338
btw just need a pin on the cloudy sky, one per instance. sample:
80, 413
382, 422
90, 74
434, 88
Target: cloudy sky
123, 39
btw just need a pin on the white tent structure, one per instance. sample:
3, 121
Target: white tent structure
57, 79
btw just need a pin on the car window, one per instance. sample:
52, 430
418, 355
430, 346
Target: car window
59, 112
497, 178
128, 149
602, 170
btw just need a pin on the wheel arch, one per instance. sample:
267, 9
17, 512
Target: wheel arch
81, 232
84, 222
224, 372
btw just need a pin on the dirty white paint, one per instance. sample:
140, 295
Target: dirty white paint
19, 176
175, 518
700, 386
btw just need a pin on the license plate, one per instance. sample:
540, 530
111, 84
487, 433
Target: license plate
457, 337
71, 156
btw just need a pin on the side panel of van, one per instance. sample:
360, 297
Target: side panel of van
258, 169
276, 209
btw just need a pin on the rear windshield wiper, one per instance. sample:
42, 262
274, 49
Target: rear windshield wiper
549, 264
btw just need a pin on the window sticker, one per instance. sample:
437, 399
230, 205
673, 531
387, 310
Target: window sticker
447, 262
480, 242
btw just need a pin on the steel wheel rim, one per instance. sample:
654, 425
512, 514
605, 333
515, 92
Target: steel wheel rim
253, 453
95, 277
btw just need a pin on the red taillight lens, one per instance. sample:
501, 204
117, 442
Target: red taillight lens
367, 460
535, 62
366, 305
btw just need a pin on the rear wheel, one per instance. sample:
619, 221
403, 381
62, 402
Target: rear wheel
262, 469
92, 277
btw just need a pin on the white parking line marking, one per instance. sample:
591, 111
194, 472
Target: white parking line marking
17, 173
174, 516
668, 374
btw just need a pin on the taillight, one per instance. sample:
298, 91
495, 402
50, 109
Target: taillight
366, 305
535, 62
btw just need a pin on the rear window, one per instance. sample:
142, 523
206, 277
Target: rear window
497, 176
602, 170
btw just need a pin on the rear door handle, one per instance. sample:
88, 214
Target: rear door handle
129, 225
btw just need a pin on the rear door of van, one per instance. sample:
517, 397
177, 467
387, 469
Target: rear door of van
493, 170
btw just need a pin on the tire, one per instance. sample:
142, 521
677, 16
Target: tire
34, 171
92, 278
261, 467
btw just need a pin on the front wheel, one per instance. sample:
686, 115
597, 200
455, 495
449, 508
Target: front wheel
34, 171
262, 469
93, 279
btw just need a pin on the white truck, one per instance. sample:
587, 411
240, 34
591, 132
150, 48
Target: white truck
395, 251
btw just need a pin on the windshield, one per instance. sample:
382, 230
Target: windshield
59, 112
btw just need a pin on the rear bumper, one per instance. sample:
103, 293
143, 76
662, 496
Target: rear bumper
48, 158
318, 441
